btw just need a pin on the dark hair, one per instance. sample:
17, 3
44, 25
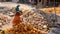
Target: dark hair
18, 5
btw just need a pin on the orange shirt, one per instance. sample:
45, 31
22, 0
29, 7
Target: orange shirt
17, 19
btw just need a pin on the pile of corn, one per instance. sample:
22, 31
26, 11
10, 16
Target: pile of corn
37, 20
33, 18
51, 10
23, 29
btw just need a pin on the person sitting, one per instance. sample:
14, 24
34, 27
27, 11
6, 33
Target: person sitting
17, 18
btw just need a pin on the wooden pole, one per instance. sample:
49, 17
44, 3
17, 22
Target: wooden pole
55, 10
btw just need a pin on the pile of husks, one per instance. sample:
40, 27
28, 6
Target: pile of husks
23, 29
4, 19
